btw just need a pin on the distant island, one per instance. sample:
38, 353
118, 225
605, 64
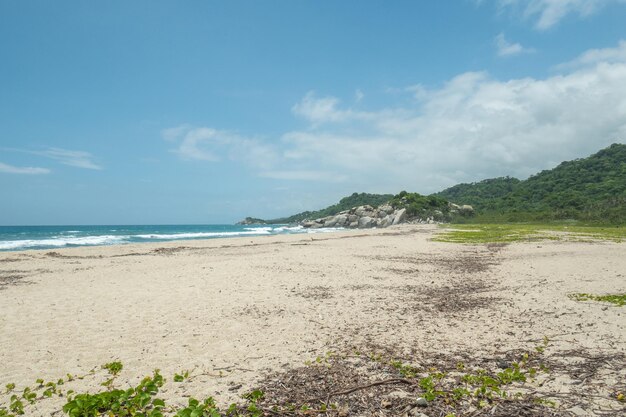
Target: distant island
591, 189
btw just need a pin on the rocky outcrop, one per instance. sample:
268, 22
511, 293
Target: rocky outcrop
464, 210
366, 217
250, 220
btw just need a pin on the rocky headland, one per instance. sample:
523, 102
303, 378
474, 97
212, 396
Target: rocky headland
366, 211
366, 217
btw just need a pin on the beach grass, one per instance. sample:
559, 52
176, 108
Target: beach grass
515, 232
617, 299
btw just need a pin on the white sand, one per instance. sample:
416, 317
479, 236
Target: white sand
231, 309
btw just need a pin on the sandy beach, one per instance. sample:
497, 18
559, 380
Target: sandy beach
232, 311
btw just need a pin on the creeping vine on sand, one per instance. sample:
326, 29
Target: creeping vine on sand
338, 384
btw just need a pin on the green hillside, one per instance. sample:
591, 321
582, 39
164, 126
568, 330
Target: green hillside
591, 189
346, 203
481, 195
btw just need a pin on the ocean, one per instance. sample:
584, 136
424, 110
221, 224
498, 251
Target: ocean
14, 238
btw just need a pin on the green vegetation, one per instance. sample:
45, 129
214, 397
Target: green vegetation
252, 220
422, 206
478, 386
495, 233
444, 385
138, 401
114, 368
345, 203
484, 195
181, 377
617, 299
591, 189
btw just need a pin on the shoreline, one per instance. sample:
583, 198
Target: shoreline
65, 237
232, 310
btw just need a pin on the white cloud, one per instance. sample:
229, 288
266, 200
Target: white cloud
506, 48
174, 133
595, 56
78, 159
470, 128
10, 169
208, 144
473, 127
319, 110
548, 13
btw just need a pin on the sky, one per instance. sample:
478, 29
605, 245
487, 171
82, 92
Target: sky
205, 112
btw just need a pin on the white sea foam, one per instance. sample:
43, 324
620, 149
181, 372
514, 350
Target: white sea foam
325, 230
63, 241
288, 229
258, 229
201, 235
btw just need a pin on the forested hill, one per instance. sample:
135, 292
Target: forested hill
592, 188
346, 203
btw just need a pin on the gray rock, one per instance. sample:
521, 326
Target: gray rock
400, 216
341, 220
386, 208
422, 402
362, 211
353, 218
387, 221
353, 225
366, 222
330, 221
467, 208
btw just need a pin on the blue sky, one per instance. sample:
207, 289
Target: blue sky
153, 112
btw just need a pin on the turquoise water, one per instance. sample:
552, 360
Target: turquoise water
49, 237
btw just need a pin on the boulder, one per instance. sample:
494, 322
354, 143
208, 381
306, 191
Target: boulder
366, 222
353, 225
387, 221
330, 221
386, 208
341, 220
362, 211
400, 216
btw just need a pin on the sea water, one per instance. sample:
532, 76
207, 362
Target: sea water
49, 237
